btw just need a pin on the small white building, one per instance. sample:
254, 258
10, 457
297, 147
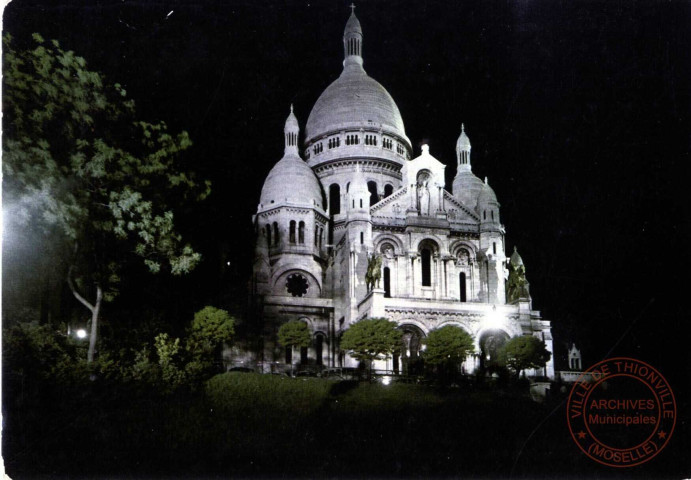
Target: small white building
356, 193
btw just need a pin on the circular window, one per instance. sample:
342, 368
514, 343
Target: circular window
297, 285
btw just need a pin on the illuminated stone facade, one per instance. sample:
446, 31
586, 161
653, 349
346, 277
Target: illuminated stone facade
359, 193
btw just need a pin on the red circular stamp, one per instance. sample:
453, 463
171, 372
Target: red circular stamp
621, 412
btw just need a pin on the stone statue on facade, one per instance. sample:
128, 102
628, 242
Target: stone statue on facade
423, 197
373, 275
517, 287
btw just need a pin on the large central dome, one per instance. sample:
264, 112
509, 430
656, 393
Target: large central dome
355, 100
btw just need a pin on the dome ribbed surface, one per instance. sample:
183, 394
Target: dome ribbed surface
463, 141
516, 259
354, 98
467, 188
353, 25
487, 195
291, 181
291, 122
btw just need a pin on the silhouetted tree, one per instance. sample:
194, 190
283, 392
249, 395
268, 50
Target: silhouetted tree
446, 347
371, 339
294, 334
524, 352
81, 171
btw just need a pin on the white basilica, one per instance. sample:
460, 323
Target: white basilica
358, 199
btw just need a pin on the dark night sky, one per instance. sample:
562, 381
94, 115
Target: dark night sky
578, 113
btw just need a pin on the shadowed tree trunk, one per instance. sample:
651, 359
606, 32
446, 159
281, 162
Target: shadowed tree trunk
95, 310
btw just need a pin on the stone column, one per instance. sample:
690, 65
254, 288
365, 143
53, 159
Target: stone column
413, 198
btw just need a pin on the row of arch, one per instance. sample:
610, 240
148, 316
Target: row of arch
296, 234
491, 212
335, 195
490, 342
390, 245
427, 249
462, 282
300, 232
350, 139
319, 341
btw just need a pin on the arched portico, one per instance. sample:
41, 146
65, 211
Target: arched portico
408, 359
490, 342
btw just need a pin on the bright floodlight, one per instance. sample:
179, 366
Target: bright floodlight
81, 333
386, 380
493, 319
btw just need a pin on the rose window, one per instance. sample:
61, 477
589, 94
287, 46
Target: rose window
297, 285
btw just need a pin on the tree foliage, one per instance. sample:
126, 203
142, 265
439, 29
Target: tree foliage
210, 329
524, 352
447, 345
86, 175
371, 339
294, 334
212, 326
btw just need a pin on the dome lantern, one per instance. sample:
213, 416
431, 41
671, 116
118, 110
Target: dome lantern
291, 131
352, 40
463, 150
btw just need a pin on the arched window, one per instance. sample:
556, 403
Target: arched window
492, 214
276, 238
387, 282
373, 197
462, 283
388, 190
268, 235
360, 203
319, 348
335, 199
426, 260
291, 238
494, 248
301, 233
484, 214
303, 355
362, 237
289, 355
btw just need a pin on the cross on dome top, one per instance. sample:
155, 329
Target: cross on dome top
352, 40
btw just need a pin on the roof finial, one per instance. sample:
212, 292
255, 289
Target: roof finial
462, 128
485, 180
352, 8
291, 108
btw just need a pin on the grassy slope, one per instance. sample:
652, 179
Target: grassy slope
247, 424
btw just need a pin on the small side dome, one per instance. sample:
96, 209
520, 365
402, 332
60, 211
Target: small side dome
516, 259
291, 180
467, 188
487, 195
